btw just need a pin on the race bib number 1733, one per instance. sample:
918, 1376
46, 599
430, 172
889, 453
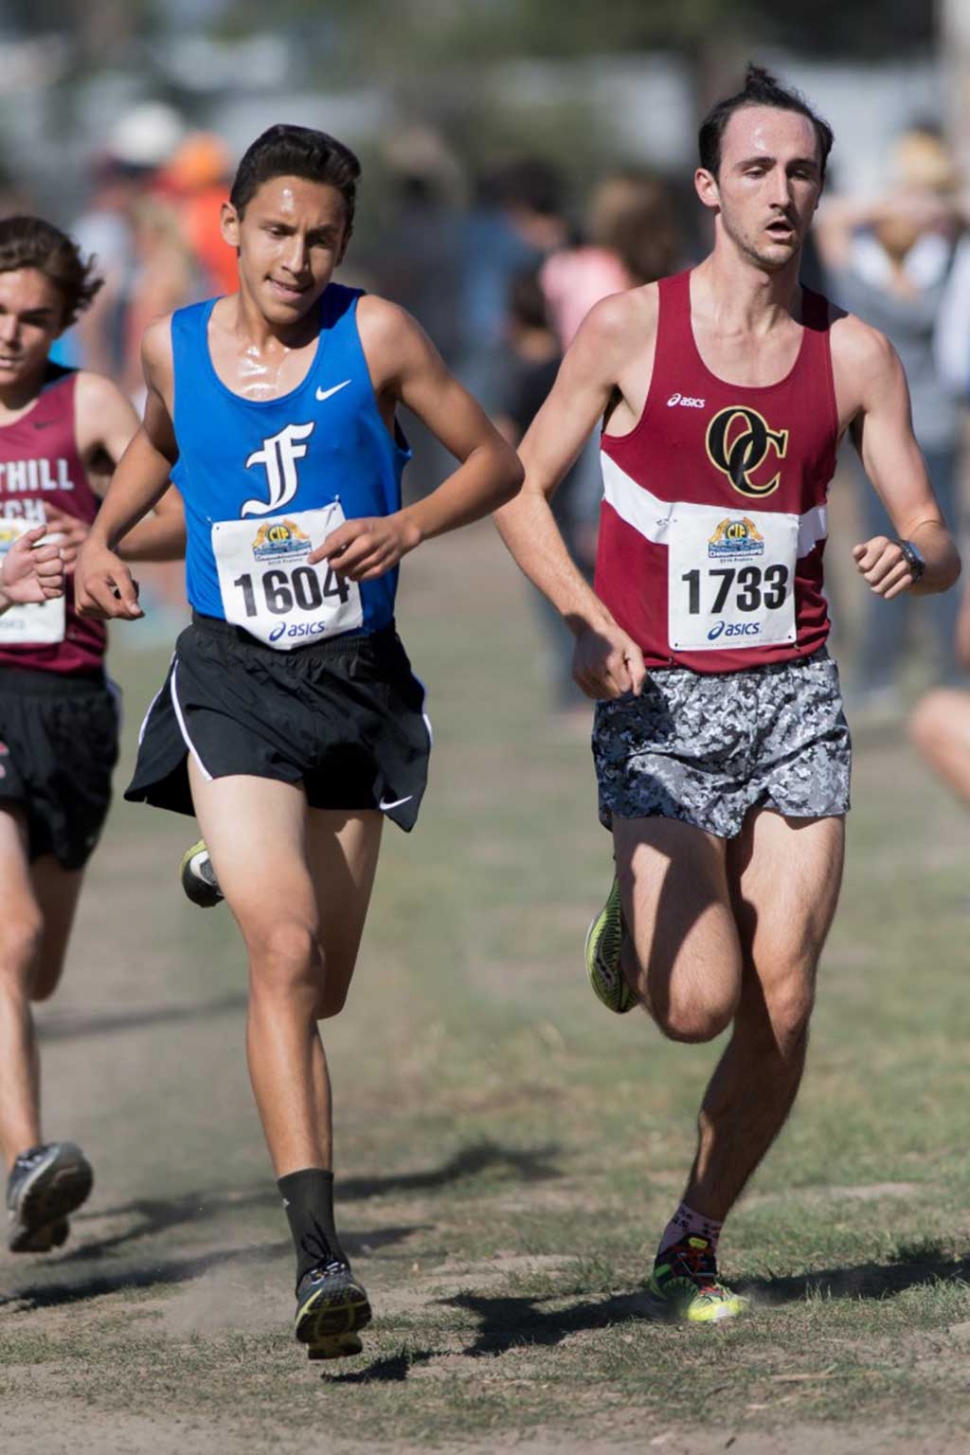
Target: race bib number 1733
731, 579
268, 587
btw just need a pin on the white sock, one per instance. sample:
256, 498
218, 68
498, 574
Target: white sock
687, 1223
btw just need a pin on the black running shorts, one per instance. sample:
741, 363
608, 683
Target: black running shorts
58, 745
344, 717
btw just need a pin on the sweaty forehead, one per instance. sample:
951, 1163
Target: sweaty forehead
301, 200
766, 131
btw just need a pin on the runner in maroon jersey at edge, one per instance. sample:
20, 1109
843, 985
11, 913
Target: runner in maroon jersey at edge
721, 748
61, 433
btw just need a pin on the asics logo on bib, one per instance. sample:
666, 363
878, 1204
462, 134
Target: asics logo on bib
734, 629
685, 401
739, 441
279, 454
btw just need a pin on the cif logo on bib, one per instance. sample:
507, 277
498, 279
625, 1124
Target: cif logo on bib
280, 538
279, 454
736, 539
745, 448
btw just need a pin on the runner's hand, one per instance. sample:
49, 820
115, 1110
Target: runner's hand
32, 573
73, 532
103, 586
882, 563
365, 549
607, 663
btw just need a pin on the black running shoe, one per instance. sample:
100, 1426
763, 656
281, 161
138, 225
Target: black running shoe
331, 1307
45, 1184
43, 1240
198, 877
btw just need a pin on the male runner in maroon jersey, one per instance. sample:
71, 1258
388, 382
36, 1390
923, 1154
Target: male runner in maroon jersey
721, 749
61, 433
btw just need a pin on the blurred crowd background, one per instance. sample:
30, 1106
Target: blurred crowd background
522, 159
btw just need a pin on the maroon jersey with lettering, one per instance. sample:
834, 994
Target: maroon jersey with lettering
39, 462
713, 522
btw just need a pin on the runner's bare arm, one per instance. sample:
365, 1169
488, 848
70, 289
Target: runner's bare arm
882, 432
103, 585
405, 367
106, 424
31, 572
162, 536
607, 662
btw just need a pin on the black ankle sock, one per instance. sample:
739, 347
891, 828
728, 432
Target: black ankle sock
308, 1200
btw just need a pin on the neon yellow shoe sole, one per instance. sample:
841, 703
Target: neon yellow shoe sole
604, 942
681, 1300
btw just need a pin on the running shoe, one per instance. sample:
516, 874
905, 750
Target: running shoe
45, 1184
198, 877
604, 941
685, 1286
331, 1308
43, 1240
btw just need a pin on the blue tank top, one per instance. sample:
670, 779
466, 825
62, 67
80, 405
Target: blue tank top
322, 442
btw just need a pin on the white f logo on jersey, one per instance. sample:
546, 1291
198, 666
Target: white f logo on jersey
279, 454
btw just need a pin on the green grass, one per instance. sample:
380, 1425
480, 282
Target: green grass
507, 1152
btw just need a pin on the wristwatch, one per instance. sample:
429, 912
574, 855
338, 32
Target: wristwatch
913, 558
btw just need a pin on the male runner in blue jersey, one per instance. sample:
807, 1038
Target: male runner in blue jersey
290, 722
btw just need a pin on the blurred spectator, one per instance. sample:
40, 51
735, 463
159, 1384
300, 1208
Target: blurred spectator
889, 261
420, 266
531, 362
518, 220
139, 145
632, 239
197, 180
166, 276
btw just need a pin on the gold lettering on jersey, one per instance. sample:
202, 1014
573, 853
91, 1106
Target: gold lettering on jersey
739, 440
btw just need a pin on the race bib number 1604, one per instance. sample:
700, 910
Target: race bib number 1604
268, 587
731, 579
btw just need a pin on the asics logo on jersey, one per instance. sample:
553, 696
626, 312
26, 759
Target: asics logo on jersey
326, 393
739, 441
685, 401
279, 454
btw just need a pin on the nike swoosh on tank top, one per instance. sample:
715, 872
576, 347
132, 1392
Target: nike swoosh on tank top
323, 442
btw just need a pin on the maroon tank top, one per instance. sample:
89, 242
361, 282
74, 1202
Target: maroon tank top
39, 462
713, 522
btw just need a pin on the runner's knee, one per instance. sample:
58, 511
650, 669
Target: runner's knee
790, 1007
283, 956
693, 1018
20, 940
780, 1014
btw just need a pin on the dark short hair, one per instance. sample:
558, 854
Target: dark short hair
30, 242
296, 151
760, 89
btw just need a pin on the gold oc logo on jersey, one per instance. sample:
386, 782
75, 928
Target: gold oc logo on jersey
739, 440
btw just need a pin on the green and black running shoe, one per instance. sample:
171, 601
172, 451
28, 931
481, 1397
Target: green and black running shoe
604, 942
198, 878
45, 1184
685, 1286
331, 1309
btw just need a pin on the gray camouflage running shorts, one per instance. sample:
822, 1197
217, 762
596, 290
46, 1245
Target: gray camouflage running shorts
708, 748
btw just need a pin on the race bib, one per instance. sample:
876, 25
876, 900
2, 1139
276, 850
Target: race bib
38, 624
267, 586
731, 578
